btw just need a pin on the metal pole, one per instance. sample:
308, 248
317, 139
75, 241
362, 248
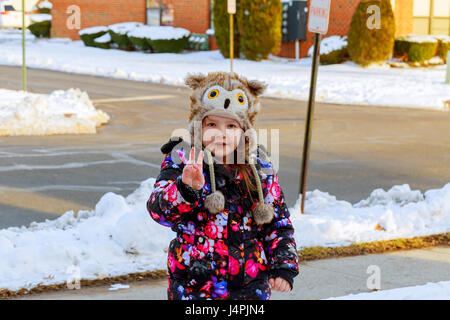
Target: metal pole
24, 67
309, 119
231, 42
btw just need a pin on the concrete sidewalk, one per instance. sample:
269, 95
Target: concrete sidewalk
317, 280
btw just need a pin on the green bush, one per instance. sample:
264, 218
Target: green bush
88, 38
139, 42
198, 41
401, 47
45, 10
443, 47
422, 51
41, 29
365, 45
334, 57
260, 28
222, 27
168, 46
122, 40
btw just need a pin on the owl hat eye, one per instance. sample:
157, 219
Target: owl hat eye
213, 94
240, 98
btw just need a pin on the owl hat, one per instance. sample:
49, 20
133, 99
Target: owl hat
232, 96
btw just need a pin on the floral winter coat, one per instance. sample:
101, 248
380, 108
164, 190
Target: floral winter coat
224, 255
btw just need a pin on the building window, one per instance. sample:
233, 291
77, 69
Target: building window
431, 17
160, 12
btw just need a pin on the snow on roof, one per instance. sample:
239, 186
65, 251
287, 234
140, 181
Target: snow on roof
159, 32
93, 30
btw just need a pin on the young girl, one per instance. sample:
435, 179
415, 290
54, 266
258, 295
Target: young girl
234, 237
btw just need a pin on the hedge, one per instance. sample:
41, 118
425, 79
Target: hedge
41, 29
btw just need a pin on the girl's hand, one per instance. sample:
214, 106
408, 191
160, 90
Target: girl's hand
193, 171
279, 284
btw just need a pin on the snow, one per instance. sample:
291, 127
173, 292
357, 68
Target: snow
45, 5
118, 286
104, 38
330, 44
345, 83
12, 34
93, 30
61, 112
39, 17
119, 237
397, 213
124, 27
429, 291
159, 32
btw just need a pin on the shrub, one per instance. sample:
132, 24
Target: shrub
422, 51
260, 28
332, 50
103, 42
222, 27
401, 47
89, 35
365, 45
170, 45
45, 7
119, 33
199, 42
416, 48
41, 29
443, 47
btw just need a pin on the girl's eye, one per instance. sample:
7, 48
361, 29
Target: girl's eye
211, 124
232, 126
213, 94
240, 98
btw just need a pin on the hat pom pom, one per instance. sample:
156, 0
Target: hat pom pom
263, 213
215, 202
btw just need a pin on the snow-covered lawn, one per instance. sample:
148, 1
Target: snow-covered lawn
344, 84
119, 237
429, 291
61, 112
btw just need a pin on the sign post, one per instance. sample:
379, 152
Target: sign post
24, 67
231, 11
319, 14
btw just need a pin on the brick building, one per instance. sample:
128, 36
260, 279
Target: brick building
412, 16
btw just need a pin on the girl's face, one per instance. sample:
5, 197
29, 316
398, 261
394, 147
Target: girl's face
220, 135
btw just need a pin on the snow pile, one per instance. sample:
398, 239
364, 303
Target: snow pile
397, 213
125, 27
39, 17
429, 291
119, 237
330, 44
104, 38
116, 238
11, 34
61, 112
93, 30
45, 5
345, 83
159, 33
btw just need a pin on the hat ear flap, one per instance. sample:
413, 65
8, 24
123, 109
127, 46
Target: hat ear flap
256, 87
194, 81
